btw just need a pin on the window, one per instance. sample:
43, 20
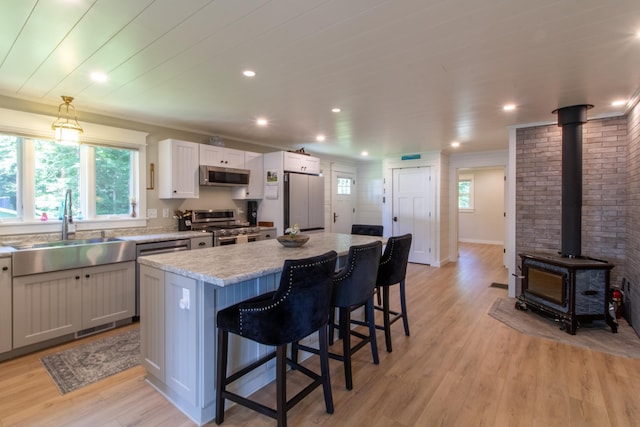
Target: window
344, 186
8, 176
57, 168
465, 193
35, 172
114, 187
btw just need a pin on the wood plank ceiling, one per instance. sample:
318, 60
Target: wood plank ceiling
411, 75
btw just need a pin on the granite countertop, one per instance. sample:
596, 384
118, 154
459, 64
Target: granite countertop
228, 265
6, 251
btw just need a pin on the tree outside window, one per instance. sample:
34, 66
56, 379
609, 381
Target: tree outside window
465, 193
8, 176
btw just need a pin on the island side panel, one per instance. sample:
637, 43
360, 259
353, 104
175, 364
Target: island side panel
181, 323
152, 313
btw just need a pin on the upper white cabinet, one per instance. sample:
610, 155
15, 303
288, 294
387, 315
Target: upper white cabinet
255, 189
295, 162
178, 175
213, 155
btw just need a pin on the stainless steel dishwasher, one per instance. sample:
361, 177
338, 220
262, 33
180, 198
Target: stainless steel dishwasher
154, 248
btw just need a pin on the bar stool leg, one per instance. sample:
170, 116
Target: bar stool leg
324, 369
221, 377
369, 316
345, 323
281, 385
386, 317
403, 306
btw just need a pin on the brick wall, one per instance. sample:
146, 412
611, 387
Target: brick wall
605, 190
632, 271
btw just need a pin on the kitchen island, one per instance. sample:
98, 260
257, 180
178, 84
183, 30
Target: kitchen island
181, 294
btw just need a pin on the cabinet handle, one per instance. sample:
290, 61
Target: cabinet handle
77, 277
202, 243
5, 268
87, 275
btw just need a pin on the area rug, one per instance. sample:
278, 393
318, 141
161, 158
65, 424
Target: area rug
88, 363
596, 336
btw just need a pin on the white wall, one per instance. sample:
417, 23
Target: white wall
485, 224
369, 193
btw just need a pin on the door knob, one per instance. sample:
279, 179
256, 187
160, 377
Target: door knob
395, 219
335, 216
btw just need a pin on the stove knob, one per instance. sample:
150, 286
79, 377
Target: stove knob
223, 232
234, 232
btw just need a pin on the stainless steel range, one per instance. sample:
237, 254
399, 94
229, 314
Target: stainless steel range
223, 225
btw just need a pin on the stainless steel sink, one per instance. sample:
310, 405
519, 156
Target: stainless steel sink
74, 242
66, 254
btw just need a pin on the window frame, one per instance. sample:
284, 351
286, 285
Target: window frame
38, 126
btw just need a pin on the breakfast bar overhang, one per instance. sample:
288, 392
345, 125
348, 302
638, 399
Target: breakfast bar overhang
180, 295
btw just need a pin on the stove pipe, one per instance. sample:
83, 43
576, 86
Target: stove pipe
571, 120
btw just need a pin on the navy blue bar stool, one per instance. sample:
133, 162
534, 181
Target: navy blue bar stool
353, 287
393, 270
367, 230
298, 308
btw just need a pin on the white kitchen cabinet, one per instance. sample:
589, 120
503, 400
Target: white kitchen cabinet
5, 304
255, 189
46, 306
108, 293
214, 155
51, 305
295, 162
201, 242
179, 167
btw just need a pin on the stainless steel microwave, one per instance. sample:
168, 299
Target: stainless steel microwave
216, 175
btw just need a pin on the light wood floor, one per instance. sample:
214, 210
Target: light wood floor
460, 367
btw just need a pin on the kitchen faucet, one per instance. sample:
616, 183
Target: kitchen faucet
67, 218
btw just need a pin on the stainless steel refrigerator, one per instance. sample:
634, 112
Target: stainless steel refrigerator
303, 201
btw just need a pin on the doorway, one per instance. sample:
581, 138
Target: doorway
413, 209
342, 201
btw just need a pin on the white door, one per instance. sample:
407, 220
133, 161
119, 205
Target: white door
342, 201
412, 210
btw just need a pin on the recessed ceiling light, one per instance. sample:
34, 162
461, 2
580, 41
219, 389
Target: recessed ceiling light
320, 138
335, 110
509, 107
619, 103
365, 153
455, 144
262, 121
98, 76
249, 73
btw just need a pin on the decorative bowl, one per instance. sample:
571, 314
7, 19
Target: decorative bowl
293, 242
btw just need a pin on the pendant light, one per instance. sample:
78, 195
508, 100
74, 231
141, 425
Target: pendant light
67, 128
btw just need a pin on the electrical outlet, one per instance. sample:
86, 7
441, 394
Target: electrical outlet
152, 213
165, 212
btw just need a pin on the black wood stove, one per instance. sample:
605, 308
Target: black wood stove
568, 286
